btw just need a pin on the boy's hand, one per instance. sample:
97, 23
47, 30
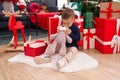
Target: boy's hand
68, 31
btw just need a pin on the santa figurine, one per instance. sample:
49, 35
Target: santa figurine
22, 5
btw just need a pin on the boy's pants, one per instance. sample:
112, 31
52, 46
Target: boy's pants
71, 52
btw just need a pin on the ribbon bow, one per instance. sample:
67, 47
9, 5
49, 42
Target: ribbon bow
69, 5
88, 36
110, 10
74, 7
116, 39
79, 22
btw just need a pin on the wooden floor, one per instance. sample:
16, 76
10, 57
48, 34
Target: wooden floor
108, 69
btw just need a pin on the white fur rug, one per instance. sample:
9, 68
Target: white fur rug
80, 62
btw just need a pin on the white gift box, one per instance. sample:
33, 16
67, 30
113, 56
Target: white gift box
88, 38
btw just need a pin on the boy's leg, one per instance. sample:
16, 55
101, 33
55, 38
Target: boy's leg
47, 50
57, 49
46, 58
42, 59
71, 52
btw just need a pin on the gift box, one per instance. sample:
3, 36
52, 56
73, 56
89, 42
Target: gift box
110, 10
79, 22
35, 48
55, 21
53, 24
107, 35
88, 38
88, 20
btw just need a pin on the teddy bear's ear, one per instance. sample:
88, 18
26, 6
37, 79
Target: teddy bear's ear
61, 28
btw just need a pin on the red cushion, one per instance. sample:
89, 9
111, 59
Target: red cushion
22, 7
34, 7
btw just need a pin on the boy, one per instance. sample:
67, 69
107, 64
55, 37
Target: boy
68, 18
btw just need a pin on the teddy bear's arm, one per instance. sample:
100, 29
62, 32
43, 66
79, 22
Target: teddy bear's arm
69, 39
52, 37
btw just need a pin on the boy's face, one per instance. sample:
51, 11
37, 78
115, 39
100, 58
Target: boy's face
68, 22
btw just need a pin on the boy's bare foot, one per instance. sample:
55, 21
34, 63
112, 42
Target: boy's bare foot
42, 59
61, 63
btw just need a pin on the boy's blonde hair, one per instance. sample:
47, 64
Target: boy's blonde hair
68, 13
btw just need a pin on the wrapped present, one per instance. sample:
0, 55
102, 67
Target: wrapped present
110, 10
79, 22
35, 48
88, 20
105, 28
88, 38
107, 35
53, 24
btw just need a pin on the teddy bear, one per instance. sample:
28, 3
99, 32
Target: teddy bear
59, 38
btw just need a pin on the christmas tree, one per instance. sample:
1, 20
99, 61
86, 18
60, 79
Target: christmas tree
90, 5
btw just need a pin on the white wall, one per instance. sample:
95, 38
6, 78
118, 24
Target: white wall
116, 0
60, 3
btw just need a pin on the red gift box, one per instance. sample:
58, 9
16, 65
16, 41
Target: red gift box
53, 24
106, 30
35, 48
79, 23
55, 21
